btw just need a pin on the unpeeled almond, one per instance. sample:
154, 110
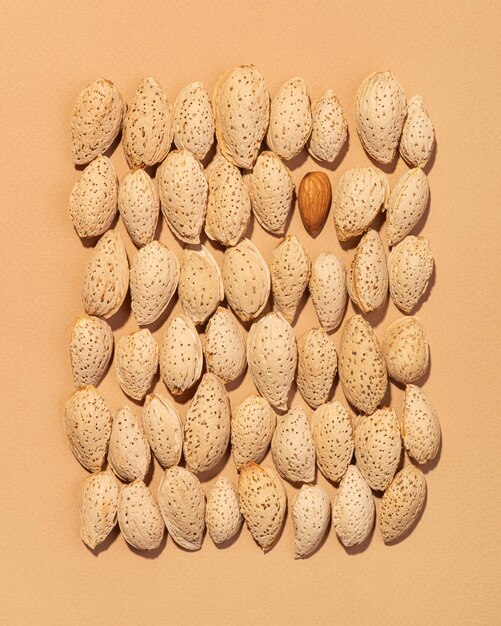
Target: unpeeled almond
311, 514
193, 120
332, 432
328, 290
252, 426
224, 346
353, 510
368, 275
139, 206
181, 355
129, 454
293, 448
99, 497
418, 134
222, 512
163, 429
329, 129
420, 425
410, 265
406, 350
139, 517
406, 205
136, 362
91, 347
316, 366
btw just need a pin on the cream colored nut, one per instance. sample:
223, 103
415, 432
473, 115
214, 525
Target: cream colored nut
368, 275
252, 426
224, 346
163, 429
193, 120
91, 347
328, 290
222, 513
136, 363
410, 266
418, 134
129, 454
98, 507
333, 437
139, 206
353, 511
290, 270
96, 120
311, 514
329, 129
181, 355
406, 205
406, 350
420, 425
316, 366
139, 517
293, 448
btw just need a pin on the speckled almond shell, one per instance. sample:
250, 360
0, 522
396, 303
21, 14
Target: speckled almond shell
316, 366
87, 422
329, 130
183, 188
182, 503
418, 135
368, 275
136, 362
353, 510
252, 426
362, 370
406, 205
129, 454
154, 275
290, 119
222, 513
410, 266
147, 128
139, 517
139, 206
378, 447
293, 448
402, 503
311, 514
359, 196
207, 425
224, 346
406, 350
263, 503
93, 200
271, 191
380, 111
246, 280
290, 271
420, 425
328, 290
272, 358
200, 287
228, 205
193, 120
106, 277
241, 113
163, 429
181, 355
333, 437
98, 507
91, 347
96, 120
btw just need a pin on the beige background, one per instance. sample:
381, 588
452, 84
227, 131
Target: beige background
446, 571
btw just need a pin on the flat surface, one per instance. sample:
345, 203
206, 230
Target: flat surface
447, 570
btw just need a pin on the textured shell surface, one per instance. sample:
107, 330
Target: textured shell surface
139, 206
96, 120
333, 437
181, 355
147, 127
353, 511
87, 422
252, 426
183, 188
362, 370
406, 350
402, 503
200, 287
136, 362
224, 346
272, 358
246, 280
93, 200
182, 503
129, 454
290, 119
420, 425
311, 514
359, 196
380, 111
378, 447
228, 204
406, 205
241, 113
263, 502
316, 366
418, 135
139, 517
207, 425
368, 275
271, 191
106, 277
163, 429
293, 448
327, 288
329, 129
91, 347
154, 275
98, 507
290, 271
222, 512
193, 120
410, 266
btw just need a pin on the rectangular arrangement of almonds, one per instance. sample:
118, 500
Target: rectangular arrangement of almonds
205, 348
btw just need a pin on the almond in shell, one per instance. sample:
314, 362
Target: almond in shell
418, 134
420, 425
316, 366
333, 437
311, 514
193, 120
139, 206
129, 454
328, 290
136, 363
98, 507
329, 129
222, 513
252, 426
91, 347
353, 511
406, 350
163, 429
406, 205
181, 355
139, 517
224, 346
410, 266
368, 275
293, 448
